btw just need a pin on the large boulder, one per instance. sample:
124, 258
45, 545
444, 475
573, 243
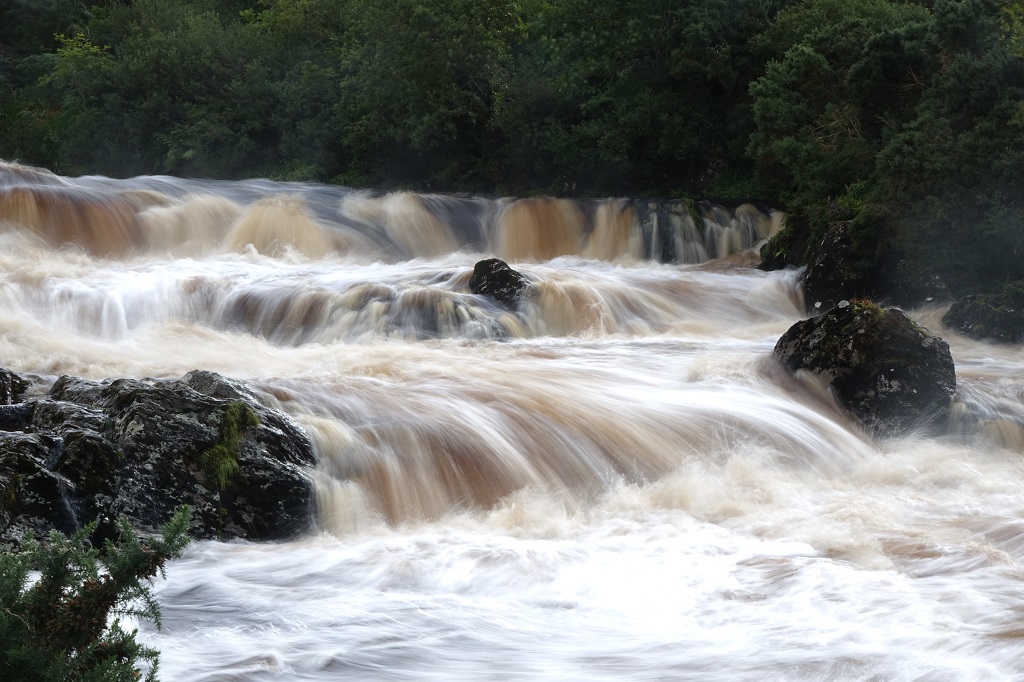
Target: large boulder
139, 449
495, 279
887, 370
996, 317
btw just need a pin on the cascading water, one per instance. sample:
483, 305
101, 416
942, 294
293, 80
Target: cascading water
613, 482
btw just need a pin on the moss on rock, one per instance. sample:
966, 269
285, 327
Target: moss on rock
888, 371
995, 317
220, 463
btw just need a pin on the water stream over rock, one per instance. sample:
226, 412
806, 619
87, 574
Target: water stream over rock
612, 481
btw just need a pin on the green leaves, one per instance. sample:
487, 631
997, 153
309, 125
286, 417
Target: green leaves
632, 97
422, 84
57, 598
916, 106
819, 120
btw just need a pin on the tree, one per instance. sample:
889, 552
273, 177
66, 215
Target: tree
906, 119
634, 96
30, 127
818, 121
952, 177
422, 85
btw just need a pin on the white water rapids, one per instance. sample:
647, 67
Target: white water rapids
615, 482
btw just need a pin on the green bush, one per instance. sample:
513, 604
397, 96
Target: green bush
61, 601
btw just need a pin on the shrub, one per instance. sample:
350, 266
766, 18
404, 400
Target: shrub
61, 601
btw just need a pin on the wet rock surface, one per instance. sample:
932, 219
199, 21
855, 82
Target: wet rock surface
995, 317
910, 285
495, 279
95, 451
32, 497
891, 373
834, 271
11, 386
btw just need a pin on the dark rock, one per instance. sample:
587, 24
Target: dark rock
835, 271
783, 250
11, 387
79, 391
89, 459
996, 317
59, 416
16, 417
887, 370
912, 284
494, 278
167, 432
139, 449
32, 498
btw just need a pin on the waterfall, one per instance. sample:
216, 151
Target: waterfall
151, 215
612, 481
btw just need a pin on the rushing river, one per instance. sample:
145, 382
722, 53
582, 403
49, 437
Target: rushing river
614, 482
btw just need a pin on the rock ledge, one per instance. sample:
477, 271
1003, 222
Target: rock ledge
95, 451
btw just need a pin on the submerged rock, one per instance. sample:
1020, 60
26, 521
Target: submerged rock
494, 278
139, 449
891, 373
996, 317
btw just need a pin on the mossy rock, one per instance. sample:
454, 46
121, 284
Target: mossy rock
220, 462
785, 249
139, 450
994, 317
891, 373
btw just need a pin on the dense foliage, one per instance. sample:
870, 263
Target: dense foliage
904, 117
61, 600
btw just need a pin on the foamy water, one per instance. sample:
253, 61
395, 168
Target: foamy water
615, 482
